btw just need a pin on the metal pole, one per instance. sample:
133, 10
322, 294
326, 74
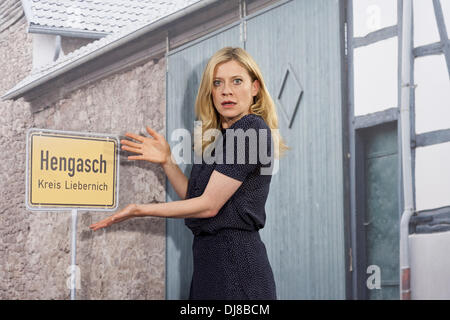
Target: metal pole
405, 271
74, 255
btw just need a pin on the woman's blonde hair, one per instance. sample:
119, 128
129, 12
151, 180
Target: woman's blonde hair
263, 104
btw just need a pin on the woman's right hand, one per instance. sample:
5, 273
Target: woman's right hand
154, 149
126, 213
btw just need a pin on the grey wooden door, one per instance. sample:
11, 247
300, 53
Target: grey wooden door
298, 46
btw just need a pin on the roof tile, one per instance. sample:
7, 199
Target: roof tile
101, 16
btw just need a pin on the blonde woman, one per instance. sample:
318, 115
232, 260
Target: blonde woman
223, 201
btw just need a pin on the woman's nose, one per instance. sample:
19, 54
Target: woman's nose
226, 90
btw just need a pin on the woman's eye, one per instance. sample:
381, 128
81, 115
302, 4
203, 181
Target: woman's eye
237, 81
216, 83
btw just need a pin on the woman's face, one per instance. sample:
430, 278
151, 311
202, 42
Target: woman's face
233, 90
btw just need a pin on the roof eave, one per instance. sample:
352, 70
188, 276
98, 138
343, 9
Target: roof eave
66, 32
10, 95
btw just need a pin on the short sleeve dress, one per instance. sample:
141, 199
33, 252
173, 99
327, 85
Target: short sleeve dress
230, 259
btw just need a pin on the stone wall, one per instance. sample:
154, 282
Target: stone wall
125, 261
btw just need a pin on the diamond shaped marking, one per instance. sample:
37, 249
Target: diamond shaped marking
289, 95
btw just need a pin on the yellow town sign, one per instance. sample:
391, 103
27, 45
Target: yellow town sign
71, 170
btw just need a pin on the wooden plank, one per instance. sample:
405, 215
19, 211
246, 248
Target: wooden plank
433, 137
375, 36
442, 32
376, 118
429, 49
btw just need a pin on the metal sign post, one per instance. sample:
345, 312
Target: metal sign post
73, 273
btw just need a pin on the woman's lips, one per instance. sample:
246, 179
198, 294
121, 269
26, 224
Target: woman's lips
228, 104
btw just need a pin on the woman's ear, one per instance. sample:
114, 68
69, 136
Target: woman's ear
255, 87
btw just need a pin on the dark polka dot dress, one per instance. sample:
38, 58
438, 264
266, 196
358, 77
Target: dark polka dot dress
230, 260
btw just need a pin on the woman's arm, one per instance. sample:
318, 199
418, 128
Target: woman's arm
176, 177
157, 150
219, 190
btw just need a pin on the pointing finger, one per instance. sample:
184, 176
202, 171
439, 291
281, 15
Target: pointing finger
135, 150
135, 157
135, 136
131, 143
152, 132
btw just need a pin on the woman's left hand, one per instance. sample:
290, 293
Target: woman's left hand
124, 214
